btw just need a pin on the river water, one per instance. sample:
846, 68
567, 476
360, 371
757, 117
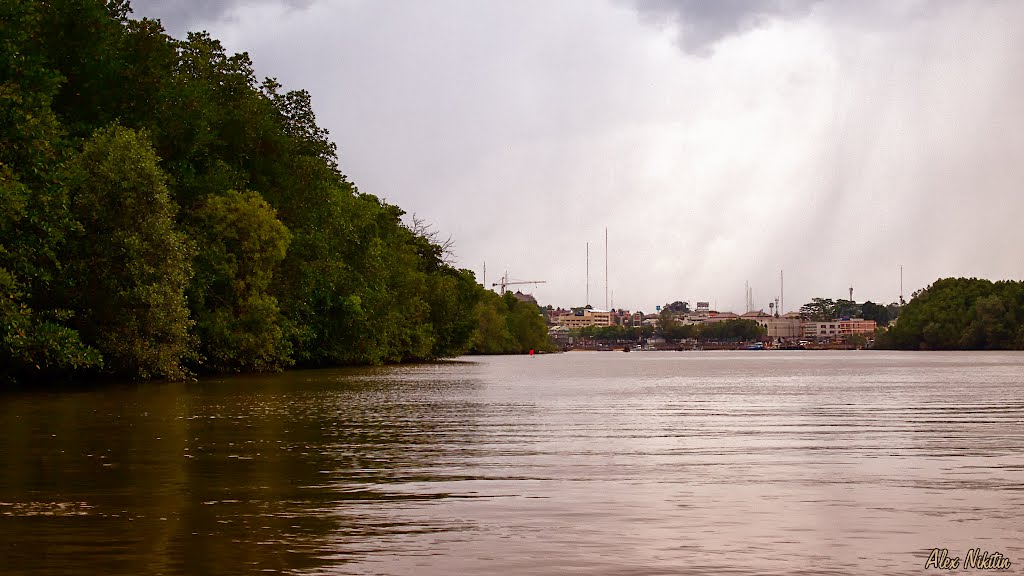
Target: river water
578, 463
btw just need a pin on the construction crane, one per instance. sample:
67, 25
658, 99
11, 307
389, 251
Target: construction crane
505, 282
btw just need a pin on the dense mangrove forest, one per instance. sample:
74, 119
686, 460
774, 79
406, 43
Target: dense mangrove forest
165, 213
960, 314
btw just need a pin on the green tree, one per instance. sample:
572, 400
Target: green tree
960, 313
492, 335
847, 309
129, 265
238, 322
819, 310
452, 296
666, 323
876, 312
678, 307
731, 331
86, 268
508, 326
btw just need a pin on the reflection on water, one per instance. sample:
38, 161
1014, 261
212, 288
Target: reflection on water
648, 463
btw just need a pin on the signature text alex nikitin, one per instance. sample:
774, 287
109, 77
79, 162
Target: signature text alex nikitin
976, 559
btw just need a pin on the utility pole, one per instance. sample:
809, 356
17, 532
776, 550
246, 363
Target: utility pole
901, 284
606, 268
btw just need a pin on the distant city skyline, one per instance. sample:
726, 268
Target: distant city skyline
717, 142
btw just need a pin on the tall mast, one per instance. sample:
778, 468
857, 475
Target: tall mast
606, 268
901, 284
588, 274
782, 292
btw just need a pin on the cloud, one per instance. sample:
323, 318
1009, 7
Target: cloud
701, 24
182, 16
834, 140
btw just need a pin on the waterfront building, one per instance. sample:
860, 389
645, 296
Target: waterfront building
785, 328
838, 328
721, 316
585, 317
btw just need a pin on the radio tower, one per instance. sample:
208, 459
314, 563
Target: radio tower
901, 285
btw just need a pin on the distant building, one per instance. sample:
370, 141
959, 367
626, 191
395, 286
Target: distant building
560, 336
785, 328
721, 316
838, 328
621, 317
553, 314
585, 317
525, 297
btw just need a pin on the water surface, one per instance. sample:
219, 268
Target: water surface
578, 463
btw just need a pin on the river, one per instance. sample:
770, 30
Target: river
754, 462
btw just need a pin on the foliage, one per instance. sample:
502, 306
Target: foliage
508, 326
666, 322
128, 266
960, 314
35, 346
819, 310
615, 333
670, 328
876, 312
677, 307
731, 331
128, 159
238, 322
827, 309
726, 331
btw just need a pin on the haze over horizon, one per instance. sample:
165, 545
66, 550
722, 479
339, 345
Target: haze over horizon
718, 142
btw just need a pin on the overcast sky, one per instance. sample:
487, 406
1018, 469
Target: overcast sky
718, 141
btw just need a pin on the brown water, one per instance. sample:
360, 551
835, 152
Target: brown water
579, 463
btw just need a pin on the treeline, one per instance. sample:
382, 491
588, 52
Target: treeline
827, 309
614, 333
162, 212
509, 326
960, 314
726, 331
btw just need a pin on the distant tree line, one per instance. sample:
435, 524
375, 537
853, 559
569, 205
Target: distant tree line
827, 309
960, 314
509, 326
615, 333
162, 212
671, 329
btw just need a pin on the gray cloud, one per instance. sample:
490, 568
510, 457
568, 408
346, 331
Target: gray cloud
835, 140
181, 16
702, 23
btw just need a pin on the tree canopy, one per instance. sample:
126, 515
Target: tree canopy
960, 314
163, 212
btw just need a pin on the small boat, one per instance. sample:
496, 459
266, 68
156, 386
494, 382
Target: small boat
755, 346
